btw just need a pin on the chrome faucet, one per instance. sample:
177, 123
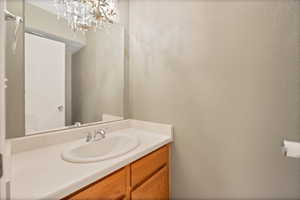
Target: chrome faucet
100, 132
89, 137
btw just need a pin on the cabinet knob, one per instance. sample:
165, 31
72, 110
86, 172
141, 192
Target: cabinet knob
60, 108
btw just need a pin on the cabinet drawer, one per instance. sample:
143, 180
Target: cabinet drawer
143, 168
113, 187
156, 187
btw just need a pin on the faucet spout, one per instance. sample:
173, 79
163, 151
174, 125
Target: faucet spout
100, 132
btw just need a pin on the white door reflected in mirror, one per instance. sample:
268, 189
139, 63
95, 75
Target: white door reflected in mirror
44, 84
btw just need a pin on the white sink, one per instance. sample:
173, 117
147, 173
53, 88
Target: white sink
110, 147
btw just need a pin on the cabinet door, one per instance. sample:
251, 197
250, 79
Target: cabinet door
112, 187
155, 188
145, 167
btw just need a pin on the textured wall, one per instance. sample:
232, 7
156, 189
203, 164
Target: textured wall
41, 21
226, 74
68, 88
98, 76
14, 70
98, 72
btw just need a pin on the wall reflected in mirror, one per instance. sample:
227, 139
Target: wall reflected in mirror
69, 78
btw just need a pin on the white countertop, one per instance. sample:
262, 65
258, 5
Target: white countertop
42, 174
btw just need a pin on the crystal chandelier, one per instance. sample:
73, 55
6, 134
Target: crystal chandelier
84, 15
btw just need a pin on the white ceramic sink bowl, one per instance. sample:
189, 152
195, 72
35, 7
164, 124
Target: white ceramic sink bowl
107, 148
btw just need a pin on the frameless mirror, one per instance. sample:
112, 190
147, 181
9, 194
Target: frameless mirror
67, 79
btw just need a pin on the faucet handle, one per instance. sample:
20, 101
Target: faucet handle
89, 137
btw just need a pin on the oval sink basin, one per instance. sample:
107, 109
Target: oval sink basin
107, 148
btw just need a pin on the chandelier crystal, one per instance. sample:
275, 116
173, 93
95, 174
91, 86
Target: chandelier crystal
84, 15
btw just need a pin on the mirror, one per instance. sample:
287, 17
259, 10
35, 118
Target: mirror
67, 79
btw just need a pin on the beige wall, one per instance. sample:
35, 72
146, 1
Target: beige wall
226, 74
124, 16
98, 76
14, 71
68, 96
41, 21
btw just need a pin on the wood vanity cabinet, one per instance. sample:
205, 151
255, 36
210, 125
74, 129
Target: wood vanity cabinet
156, 187
112, 187
146, 178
